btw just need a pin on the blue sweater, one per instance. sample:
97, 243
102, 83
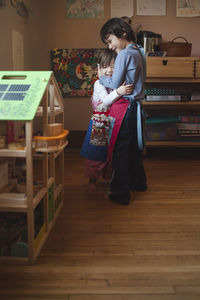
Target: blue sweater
129, 67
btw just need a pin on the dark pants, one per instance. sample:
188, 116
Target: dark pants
128, 170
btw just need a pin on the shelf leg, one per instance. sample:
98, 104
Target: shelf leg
29, 182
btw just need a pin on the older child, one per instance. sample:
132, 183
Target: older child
129, 67
96, 155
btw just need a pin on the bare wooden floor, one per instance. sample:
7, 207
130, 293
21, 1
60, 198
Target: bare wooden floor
99, 250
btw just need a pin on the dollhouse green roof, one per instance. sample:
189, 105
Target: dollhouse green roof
21, 93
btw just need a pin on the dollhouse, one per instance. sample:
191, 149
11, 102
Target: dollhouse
32, 161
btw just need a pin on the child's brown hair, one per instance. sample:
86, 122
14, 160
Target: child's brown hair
106, 56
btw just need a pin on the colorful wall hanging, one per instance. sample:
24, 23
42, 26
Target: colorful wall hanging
85, 9
75, 70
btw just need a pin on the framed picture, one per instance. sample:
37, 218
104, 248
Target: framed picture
85, 9
151, 7
120, 8
187, 8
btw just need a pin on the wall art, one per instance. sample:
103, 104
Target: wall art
120, 8
85, 9
75, 70
151, 7
187, 8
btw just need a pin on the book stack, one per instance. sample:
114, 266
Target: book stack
188, 127
161, 94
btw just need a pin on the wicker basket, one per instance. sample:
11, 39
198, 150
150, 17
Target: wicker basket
177, 48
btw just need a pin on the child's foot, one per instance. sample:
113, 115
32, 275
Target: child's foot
92, 185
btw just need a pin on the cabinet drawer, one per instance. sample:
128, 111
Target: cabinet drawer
174, 67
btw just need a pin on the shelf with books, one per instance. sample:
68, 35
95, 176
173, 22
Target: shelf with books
178, 78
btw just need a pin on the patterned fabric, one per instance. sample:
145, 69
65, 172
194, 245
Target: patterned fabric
93, 152
75, 70
100, 128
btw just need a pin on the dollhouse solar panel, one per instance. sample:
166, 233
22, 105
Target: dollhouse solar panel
3, 87
21, 93
19, 87
14, 92
14, 96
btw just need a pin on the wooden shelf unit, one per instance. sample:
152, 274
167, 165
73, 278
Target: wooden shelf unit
172, 72
161, 105
50, 194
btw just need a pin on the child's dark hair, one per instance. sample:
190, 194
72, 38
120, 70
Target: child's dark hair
105, 57
117, 27
126, 19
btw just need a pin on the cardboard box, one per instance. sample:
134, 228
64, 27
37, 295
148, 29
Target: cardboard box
53, 129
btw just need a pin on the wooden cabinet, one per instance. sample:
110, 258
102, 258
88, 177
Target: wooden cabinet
33, 204
173, 67
182, 75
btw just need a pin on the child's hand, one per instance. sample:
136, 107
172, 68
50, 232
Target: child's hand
125, 89
101, 107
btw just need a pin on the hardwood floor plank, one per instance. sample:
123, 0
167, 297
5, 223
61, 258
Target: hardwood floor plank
59, 290
36, 297
188, 289
134, 297
105, 297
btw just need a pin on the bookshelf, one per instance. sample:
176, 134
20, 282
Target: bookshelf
182, 75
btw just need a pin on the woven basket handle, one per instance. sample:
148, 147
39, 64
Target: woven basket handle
179, 37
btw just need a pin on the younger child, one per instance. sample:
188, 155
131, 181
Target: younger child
96, 155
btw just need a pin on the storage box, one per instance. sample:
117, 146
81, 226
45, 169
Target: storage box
160, 129
53, 129
182, 67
